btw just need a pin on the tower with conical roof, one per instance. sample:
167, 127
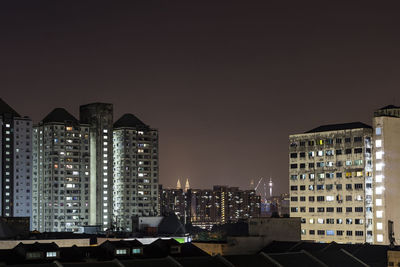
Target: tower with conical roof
136, 170
61, 173
187, 185
15, 163
178, 184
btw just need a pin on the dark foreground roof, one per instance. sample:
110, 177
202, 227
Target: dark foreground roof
338, 127
131, 121
59, 115
389, 107
6, 109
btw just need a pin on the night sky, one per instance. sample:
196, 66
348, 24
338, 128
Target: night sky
224, 82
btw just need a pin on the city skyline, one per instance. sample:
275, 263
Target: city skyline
225, 84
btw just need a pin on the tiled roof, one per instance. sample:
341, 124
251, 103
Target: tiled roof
338, 127
59, 115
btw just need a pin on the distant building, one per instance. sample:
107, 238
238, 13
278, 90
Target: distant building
135, 170
15, 163
206, 207
330, 174
61, 172
276, 205
99, 116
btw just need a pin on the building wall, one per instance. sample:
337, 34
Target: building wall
279, 229
387, 177
100, 118
135, 174
15, 166
61, 172
330, 186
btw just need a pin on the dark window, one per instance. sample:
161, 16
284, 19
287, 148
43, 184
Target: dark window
302, 143
339, 187
311, 209
302, 209
312, 232
293, 166
359, 233
358, 209
338, 152
338, 140
303, 220
302, 187
330, 209
330, 221
357, 150
320, 198
358, 139
321, 232
358, 186
293, 155
302, 165
310, 143
320, 187
311, 198
349, 209
338, 175
302, 154
348, 186
348, 151
311, 165
339, 232
347, 140
302, 198
329, 141
329, 186
293, 209
293, 198
320, 209
339, 209
349, 233
293, 188
339, 163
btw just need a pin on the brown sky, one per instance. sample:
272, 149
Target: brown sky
225, 82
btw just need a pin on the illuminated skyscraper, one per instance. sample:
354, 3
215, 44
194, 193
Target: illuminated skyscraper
61, 167
135, 170
100, 118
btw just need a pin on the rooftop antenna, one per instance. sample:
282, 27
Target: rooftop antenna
270, 186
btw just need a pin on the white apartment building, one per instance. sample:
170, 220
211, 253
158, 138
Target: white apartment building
135, 170
386, 123
330, 174
61, 172
15, 163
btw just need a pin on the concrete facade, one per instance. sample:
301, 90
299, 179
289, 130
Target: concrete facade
330, 183
100, 118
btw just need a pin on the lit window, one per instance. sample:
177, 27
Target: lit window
379, 190
8, 125
378, 143
51, 254
320, 153
311, 221
68, 128
379, 213
379, 178
105, 131
379, 155
379, 166
379, 202
378, 130
379, 238
120, 251
330, 198
320, 220
136, 251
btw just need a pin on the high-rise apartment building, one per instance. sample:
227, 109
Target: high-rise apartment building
61, 173
330, 172
135, 170
15, 163
100, 118
386, 123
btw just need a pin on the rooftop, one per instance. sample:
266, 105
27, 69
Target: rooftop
338, 127
6, 109
59, 115
130, 121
